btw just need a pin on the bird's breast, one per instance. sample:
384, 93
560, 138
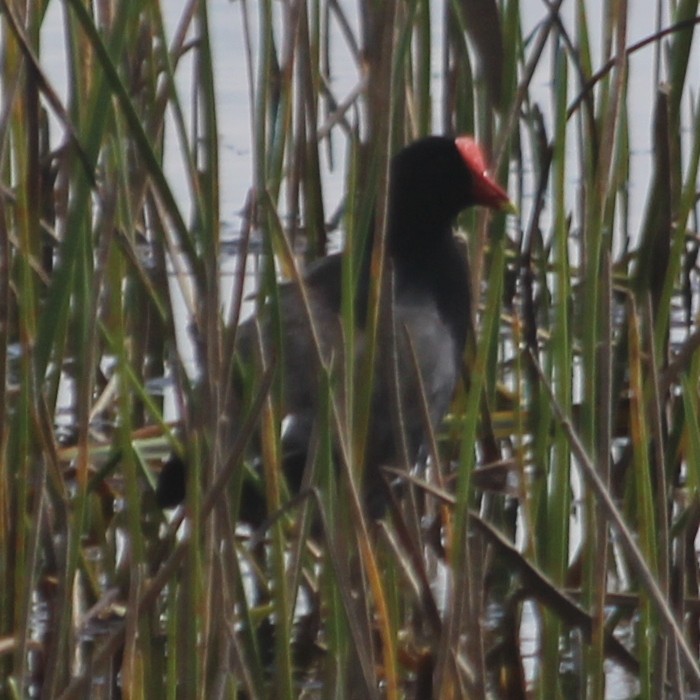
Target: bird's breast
426, 342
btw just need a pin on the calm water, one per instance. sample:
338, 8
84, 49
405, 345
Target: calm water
234, 110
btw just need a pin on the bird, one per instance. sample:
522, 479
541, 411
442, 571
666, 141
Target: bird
421, 336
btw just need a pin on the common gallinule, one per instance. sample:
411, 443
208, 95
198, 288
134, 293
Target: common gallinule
426, 325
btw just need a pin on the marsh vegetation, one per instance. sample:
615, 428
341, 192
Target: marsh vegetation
548, 548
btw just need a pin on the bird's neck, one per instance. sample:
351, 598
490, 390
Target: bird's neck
416, 230
411, 240
430, 262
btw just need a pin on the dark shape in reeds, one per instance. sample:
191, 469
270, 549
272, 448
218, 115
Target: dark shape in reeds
425, 326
